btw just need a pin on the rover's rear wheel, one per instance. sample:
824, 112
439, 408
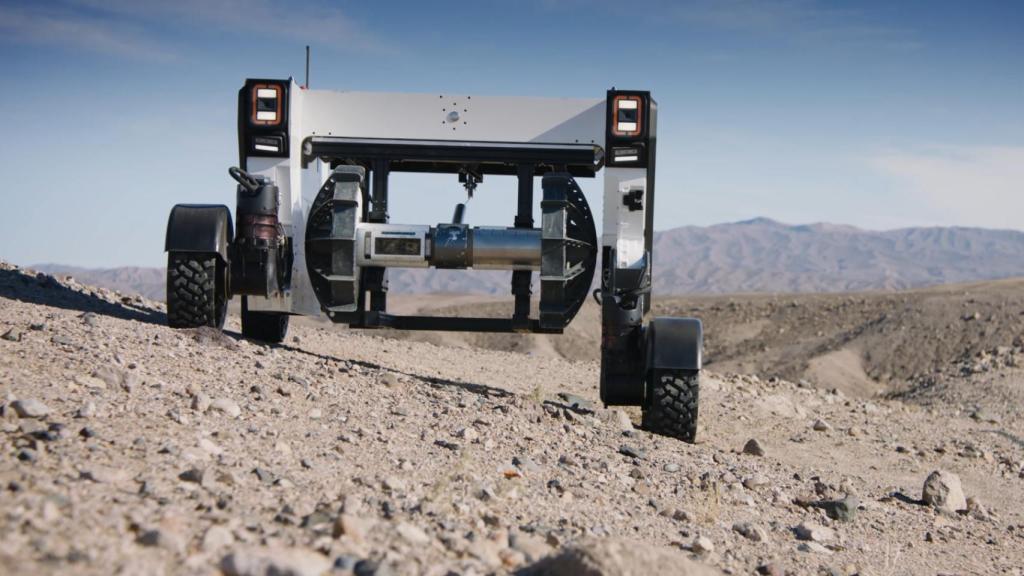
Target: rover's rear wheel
671, 407
266, 326
196, 292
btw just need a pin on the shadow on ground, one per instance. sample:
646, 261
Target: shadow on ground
45, 290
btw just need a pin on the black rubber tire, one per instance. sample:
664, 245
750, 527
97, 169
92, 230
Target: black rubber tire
265, 326
672, 402
196, 295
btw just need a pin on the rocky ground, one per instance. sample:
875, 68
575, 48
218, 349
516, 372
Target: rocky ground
127, 447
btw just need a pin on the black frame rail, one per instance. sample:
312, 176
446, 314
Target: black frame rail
447, 156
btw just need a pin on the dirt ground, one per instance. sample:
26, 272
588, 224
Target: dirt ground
130, 448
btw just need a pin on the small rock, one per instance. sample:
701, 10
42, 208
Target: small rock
622, 420
201, 402
821, 426
88, 410
943, 491
412, 534
770, 569
227, 406
275, 562
192, 475
754, 482
627, 450
111, 377
813, 532
702, 545
753, 447
577, 403
105, 475
167, 536
352, 526
30, 408
90, 382
394, 484
468, 434
671, 468
843, 510
533, 547
391, 380
12, 335
813, 547
315, 414
27, 455
750, 531
217, 536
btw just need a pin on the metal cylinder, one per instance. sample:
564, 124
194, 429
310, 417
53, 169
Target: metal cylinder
455, 246
505, 248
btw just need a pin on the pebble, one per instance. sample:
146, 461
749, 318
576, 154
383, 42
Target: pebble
754, 482
167, 537
622, 420
274, 561
533, 547
352, 526
813, 547
90, 382
942, 490
216, 537
468, 434
390, 380
813, 532
393, 484
753, 447
627, 450
702, 545
201, 402
750, 531
671, 468
88, 410
821, 426
844, 510
105, 474
227, 406
192, 475
12, 335
30, 408
412, 534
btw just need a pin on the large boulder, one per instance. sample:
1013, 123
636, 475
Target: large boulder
617, 557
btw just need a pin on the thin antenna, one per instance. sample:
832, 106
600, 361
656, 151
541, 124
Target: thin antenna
307, 68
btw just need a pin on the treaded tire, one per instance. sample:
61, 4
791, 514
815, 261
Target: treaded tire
266, 326
195, 290
671, 408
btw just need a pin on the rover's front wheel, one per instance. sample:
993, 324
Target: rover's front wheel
196, 292
671, 406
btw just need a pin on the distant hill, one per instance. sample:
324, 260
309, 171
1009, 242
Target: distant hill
759, 255
148, 282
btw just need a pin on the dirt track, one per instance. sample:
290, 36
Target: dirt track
188, 451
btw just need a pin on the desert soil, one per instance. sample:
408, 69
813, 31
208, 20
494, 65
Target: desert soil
127, 447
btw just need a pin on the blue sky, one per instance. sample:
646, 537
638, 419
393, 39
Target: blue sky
876, 114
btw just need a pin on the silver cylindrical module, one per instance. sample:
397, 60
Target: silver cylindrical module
505, 248
448, 246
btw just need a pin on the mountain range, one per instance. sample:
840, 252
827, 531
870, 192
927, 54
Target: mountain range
759, 255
